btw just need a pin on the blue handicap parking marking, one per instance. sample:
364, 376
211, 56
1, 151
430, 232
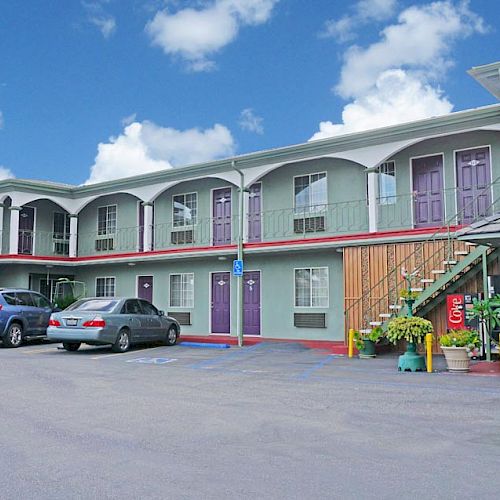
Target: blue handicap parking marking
152, 361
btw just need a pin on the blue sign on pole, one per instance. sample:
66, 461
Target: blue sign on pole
237, 268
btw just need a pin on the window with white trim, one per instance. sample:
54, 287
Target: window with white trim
106, 220
311, 287
184, 209
310, 193
182, 290
387, 183
105, 287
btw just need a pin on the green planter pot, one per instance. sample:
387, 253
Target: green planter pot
368, 350
410, 361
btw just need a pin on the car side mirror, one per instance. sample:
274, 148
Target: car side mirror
161, 313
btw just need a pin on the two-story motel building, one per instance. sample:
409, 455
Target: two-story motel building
327, 226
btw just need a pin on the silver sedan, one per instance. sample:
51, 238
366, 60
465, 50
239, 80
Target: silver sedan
119, 322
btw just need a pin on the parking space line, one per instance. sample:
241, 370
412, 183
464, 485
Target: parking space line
307, 373
124, 353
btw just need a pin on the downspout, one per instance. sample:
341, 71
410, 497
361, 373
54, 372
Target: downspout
239, 289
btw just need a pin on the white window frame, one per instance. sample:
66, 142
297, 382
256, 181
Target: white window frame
184, 226
107, 232
385, 199
311, 269
188, 304
112, 279
310, 210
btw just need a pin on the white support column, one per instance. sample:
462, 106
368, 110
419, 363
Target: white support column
372, 201
148, 227
1, 227
14, 230
73, 235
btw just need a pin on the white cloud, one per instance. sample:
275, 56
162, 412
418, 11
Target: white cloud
397, 97
364, 12
197, 34
127, 120
97, 16
146, 147
5, 173
396, 79
251, 122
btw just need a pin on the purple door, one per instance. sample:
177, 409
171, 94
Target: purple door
473, 183
221, 299
145, 287
251, 303
428, 191
254, 213
140, 209
222, 216
26, 226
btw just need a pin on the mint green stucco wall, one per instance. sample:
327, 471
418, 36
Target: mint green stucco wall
399, 215
126, 239
347, 208
204, 189
277, 290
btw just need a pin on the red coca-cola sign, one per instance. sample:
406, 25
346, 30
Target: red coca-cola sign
455, 311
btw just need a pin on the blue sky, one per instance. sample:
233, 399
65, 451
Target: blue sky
97, 89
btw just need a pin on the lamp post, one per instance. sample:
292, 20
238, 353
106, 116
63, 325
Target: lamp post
239, 289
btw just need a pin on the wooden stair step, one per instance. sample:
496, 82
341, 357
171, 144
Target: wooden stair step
438, 271
461, 252
427, 280
366, 330
375, 323
449, 262
416, 289
394, 307
384, 315
470, 244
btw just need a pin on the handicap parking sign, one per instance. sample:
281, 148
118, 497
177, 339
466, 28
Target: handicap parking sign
237, 268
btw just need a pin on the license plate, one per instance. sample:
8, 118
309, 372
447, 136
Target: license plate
71, 322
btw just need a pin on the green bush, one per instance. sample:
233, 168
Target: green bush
375, 335
460, 338
411, 329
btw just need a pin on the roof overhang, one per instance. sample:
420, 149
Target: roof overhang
488, 76
483, 232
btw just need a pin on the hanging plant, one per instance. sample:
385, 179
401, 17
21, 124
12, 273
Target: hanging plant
411, 329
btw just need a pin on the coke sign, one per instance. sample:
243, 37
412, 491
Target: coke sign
455, 311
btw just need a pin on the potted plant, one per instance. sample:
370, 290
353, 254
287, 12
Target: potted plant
458, 347
487, 312
413, 329
365, 342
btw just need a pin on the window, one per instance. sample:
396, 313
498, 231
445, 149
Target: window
106, 220
131, 307
182, 290
61, 226
10, 298
311, 287
40, 301
310, 193
387, 183
94, 305
105, 287
24, 299
148, 308
184, 209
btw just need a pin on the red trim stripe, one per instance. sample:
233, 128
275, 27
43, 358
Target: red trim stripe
268, 244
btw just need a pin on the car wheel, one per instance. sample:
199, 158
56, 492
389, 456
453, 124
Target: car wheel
171, 336
72, 346
14, 336
122, 342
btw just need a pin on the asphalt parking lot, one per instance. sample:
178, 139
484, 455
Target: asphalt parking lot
268, 421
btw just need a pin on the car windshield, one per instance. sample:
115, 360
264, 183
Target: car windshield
102, 305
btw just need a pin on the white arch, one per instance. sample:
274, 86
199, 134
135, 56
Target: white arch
20, 198
87, 201
231, 177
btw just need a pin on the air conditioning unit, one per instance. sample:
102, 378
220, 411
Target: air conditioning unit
309, 320
105, 244
182, 237
309, 224
183, 318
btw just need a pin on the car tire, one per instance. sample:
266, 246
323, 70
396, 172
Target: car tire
14, 335
122, 342
171, 336
72, 346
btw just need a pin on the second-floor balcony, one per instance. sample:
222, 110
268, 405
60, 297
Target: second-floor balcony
392, 213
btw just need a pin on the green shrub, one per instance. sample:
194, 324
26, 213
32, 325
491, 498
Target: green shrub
411, 329
375, 335
460, 338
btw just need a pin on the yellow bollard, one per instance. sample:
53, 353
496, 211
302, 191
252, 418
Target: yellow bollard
428, 348
351, 342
